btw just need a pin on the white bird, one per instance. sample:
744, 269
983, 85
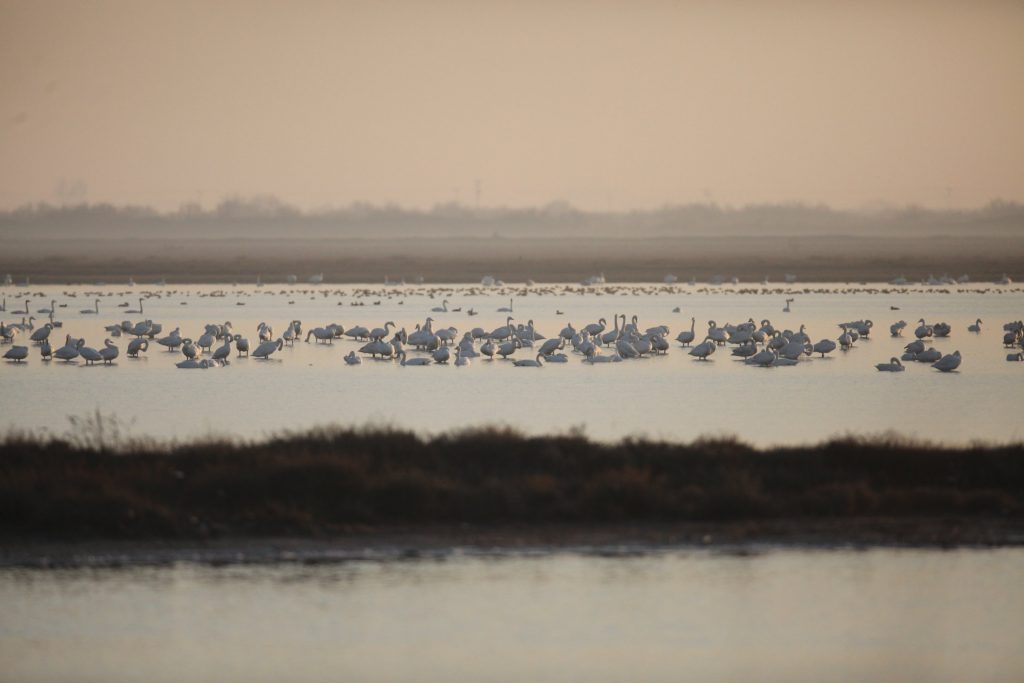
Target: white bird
529, 362
930, 355
224, 350
139, 311
923, 330
704, 349
137, 345
42, 333
190, 350
171, 341
443, 308
896, 329
948, 363
90, 355
686, 337
109, 352
824, 346
353, 359
441, 355
69, 351
322, 334
976, 327
413, 361
504, 309
894, 365
460, 360
17, 353
45, 351
508, 348
241, 345
267, 348
89, 311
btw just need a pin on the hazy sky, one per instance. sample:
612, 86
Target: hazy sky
602, 104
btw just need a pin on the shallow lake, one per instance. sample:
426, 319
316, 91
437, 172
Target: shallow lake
675, 397
777, 615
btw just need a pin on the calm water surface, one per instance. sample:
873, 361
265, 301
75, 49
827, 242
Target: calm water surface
785, 615
674, 397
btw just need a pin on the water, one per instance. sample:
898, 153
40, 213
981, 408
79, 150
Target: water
784, 615
673, 397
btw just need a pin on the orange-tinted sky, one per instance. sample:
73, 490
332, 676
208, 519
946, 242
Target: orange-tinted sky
602, 104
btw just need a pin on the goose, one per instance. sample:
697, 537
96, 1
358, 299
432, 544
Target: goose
529, 363
224, 350
241, 345
353, 359
45, 351
135, 346
16, 353
90, 311
824, 346
503, 309
948, 363
704, 349
90, 355
190, 350
976, 327
896, 329
413, 361
109, 352
443, 308
267, 348
894, 365
69, 351
41, 334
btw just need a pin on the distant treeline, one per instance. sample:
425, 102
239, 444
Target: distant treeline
332, 481
268, 217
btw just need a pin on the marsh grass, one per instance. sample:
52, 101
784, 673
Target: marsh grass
102, 484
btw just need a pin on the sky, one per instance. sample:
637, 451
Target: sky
605, 105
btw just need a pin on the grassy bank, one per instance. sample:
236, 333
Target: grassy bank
337, 482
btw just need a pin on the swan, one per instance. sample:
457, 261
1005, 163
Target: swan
948, 363
46, 311
135, 346
976, 327
715, 333
17, 353
626, 349
896, 329
845, 340
204, 364
109, 352
613, 335
894, 365
241, 345
190, 350
529, 363
89, 311
441, 355
322, 335
69, 351
599, 358
914, 347
377, 347
224, 350
556, 358
45, 351
785, 309
704, 349
41, 334
1015, 356
139, 311
745, 350
146, 328
764, 358
265, 332
90, 354
942, 329
443, 308
381, 332
923, 330
551, 345
594, 329
824, 346
267, 348
505, 331
503, 309
206, 341
171, 341
686, 337
508, 348
488, 349
413, 361
353, 359
931, 355
460, 361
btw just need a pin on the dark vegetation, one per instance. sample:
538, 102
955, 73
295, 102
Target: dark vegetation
332, 482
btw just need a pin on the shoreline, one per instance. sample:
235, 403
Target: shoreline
392, 544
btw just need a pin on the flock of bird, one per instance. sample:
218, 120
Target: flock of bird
756, 344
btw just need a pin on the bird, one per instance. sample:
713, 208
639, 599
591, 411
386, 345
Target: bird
241, 345
17, 353
443, 308
267, 348
224, 350
948, 363
529, 362
353, 359
90, 355
413, 361
686, 337
90, 311
976, 327
109, 352
504, 309
894, 365
704, 349
137, 345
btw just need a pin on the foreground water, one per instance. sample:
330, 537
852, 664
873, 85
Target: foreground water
781, 615
674, 397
